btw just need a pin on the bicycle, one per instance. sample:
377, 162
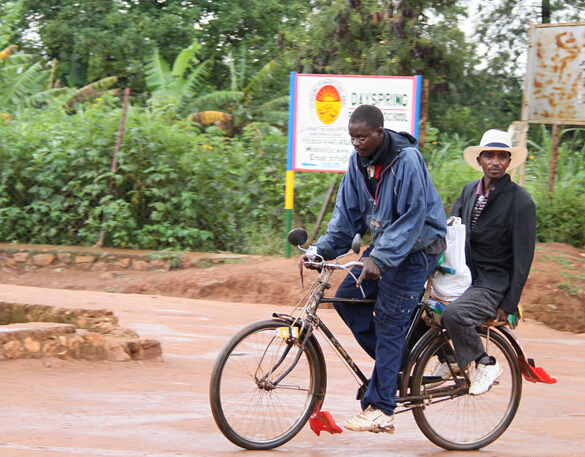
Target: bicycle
271, 377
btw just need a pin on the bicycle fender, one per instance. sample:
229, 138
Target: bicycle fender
529, 370
515, 342
322, 367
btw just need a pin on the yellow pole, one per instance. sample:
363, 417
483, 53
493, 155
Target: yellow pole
289, 204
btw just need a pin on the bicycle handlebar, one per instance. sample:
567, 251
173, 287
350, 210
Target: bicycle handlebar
333, 266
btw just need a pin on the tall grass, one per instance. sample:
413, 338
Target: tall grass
447, 168
560, 215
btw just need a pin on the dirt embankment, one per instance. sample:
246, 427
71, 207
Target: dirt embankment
554, 293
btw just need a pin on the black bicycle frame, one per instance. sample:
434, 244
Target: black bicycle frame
416, 318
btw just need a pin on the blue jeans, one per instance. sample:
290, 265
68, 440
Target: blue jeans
381, 328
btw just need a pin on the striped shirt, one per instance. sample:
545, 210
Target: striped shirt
480, 202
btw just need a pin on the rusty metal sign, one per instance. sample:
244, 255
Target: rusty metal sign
554, 89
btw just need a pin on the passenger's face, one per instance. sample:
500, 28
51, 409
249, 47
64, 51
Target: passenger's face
494, 163
365, 140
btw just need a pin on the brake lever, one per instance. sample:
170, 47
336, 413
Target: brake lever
355, 279
301, 268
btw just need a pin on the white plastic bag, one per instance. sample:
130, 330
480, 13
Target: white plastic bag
446, 286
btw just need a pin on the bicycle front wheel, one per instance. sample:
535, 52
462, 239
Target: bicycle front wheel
263, 387
455, 420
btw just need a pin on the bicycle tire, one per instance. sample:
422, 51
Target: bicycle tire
247, 410
466, 422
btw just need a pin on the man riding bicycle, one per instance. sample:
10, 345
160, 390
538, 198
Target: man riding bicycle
386, 189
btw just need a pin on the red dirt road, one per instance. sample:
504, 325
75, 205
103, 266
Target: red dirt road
54, 407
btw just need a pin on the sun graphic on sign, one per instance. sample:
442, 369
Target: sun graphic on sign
328, 104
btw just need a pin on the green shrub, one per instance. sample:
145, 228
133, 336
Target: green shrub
560, 216
174, 187
178, 188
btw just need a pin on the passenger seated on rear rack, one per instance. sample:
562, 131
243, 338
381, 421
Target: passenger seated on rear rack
500, 221
386, 189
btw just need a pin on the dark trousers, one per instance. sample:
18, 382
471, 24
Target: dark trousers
381, 328
462, 316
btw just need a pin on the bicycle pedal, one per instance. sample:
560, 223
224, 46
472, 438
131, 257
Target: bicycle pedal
389, 430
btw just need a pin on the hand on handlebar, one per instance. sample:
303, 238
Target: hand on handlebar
306, 260
369, 271
311, 255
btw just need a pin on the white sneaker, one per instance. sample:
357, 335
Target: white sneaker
484, 378
371, 420
442, 370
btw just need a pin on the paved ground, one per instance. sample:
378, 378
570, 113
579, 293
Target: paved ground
53, 407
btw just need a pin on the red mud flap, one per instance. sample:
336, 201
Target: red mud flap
532, 373
322, 420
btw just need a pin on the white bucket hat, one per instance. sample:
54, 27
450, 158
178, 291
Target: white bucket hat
495, 140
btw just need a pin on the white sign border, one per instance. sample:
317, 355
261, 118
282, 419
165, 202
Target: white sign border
338, 128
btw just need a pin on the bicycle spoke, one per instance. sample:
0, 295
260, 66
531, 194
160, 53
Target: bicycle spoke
465, 421
262, 393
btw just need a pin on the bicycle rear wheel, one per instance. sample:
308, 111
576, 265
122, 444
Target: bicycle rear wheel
250, 405
455, 420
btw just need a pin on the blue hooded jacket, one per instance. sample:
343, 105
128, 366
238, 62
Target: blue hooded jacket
405, 215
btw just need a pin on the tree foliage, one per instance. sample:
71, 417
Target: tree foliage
257, 26
179, 186
21, 75
504, 25
240, 39
95, 39
389, 37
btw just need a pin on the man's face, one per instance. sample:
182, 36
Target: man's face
365, 140
494, 163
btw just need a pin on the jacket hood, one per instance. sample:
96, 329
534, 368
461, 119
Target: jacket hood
403, 139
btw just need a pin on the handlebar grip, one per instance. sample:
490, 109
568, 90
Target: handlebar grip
448, 270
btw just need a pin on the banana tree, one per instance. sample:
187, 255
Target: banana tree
20, 74
246, 100
174, 87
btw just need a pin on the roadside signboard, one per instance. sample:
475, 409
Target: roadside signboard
554, 89
319, 111
322, 104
